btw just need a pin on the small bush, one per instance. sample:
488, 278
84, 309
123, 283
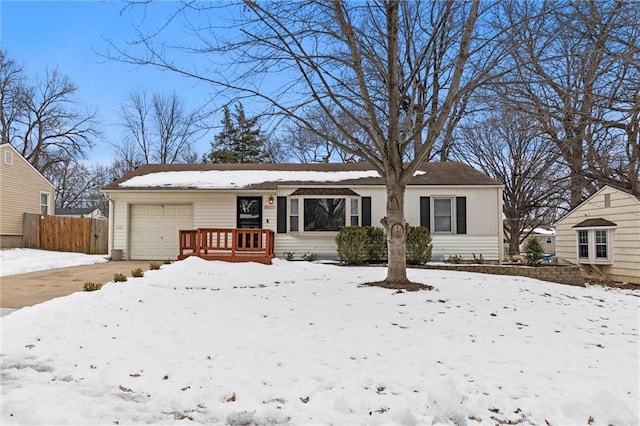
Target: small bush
119, 278
154, 266
288, 255
137, 273
352, 245
418, 245
376, 244
309, 257
533, 252
167, 262
478, 260
455, 259
89, 286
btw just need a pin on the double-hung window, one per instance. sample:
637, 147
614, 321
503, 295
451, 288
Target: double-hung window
294, 215
583, 245
44, 203
442, 215
601, 244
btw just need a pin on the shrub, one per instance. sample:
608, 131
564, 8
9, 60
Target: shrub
167, 262
154, 266
478, 260
418, 245
89, 286
137, 273
352, 242
288, 255
455, 259
309, 257
119, 278
533, 252
376, 244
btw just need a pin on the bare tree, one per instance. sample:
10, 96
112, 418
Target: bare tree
574, 64
395, 69
78, 184
157, 129
509, 148
310, 146
42, 120
11, 88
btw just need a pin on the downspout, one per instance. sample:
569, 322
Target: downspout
111, 223
500, 228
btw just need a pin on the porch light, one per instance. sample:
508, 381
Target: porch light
271, 200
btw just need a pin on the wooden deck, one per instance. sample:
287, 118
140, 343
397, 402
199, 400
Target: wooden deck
231, 245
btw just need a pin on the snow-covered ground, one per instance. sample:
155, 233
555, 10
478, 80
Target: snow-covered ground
21, 261
301, 343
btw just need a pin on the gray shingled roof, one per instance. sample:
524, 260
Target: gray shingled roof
438, 173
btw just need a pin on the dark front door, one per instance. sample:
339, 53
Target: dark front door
249, 212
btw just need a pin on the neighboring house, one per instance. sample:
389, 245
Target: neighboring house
303, 204
546, 236
603, 236
82, 212
23, 189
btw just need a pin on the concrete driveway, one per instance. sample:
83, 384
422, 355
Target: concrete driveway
18, 291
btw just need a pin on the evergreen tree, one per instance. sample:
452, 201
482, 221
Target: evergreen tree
239, 141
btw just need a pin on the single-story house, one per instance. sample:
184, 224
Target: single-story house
304, 205
602, 235
546, 236
23, 190
81, 212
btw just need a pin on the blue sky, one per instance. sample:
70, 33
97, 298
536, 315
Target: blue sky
70, 36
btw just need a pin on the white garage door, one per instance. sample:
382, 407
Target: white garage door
154, 231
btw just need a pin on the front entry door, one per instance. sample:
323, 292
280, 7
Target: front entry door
249, 212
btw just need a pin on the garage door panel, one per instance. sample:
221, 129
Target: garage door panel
154, 230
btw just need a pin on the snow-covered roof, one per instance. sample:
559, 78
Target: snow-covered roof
270, 176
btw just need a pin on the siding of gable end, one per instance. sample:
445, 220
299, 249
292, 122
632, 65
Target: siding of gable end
21, 185
624, 211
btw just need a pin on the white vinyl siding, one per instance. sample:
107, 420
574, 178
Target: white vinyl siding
623, 243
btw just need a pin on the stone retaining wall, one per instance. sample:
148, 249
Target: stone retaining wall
570, 275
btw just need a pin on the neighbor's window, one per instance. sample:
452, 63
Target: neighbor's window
583, 245
8, 158
548, 240
44, 203
601, 245
324, 214
442, 215
354, 212
293, 215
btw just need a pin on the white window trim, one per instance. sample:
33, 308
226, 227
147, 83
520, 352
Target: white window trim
452, 200
48, 201
591, 241
8, 158
301, 198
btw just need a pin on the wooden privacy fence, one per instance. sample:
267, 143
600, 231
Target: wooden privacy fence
61, 233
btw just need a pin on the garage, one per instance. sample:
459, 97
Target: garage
154, 230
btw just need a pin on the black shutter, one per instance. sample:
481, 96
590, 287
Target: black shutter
461, 215
282, 215
425, 212
366, 211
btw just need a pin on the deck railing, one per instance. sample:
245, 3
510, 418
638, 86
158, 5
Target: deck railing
232, 244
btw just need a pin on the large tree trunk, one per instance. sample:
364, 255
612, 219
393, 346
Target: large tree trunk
396, 228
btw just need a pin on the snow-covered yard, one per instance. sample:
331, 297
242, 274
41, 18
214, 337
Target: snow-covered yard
301, 343
21, 261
